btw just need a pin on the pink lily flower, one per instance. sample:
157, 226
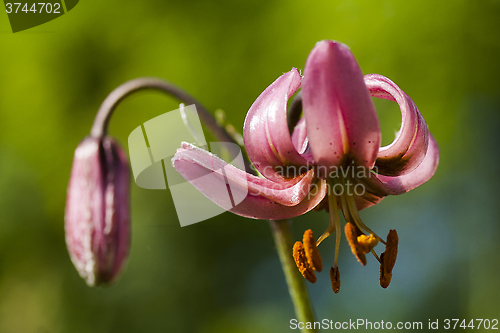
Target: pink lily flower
332, 160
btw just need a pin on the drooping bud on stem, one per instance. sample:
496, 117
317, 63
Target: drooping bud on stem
97, 219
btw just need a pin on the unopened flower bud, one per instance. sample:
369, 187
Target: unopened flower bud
97, 219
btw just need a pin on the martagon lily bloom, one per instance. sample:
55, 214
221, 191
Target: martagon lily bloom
332, 160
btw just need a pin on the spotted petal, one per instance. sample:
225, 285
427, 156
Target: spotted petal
340, 116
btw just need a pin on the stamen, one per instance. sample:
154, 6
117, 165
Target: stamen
311, 251
376, 256
299, 256
327, 233
367, 242
388, 258
333, 210
353, 211
352, 233
385, 279
334, 218
345, 209
335, 278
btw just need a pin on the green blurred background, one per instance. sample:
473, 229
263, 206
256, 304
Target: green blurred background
223, 275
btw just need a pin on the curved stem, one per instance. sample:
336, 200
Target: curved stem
295, 281
107, 107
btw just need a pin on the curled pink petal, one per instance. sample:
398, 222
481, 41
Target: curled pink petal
408, 149
340, 116
267, 138
265, 200
286, 192
384, 185
260, 207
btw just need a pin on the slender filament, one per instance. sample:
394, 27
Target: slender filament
331, 226
334, 217
375, 255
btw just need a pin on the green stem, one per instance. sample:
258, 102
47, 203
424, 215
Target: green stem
295, 281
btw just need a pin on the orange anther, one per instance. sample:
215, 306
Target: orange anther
311, 251
300, 258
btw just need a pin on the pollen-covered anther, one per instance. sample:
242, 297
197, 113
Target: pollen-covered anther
352, 233
300, 258
388, 258
367, 242
335, 278
311, 251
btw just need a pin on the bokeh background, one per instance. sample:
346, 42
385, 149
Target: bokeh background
223, 275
